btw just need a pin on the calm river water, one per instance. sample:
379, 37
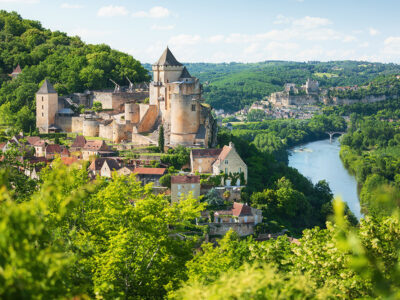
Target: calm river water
320, 160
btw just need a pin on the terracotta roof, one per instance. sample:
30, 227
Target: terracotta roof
149, 171
79, 142
2, 145
199, 153
185, 179
96, 145
224, 153
46, 88
68, 160
238, 210
40, 143
53, 148
65, 152
167, 59
32, 139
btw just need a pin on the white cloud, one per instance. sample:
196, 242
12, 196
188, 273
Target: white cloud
216, 38
364, 45
281, 19
112, 11
20, 1
311, 22
373, 31
184, 39
155, 12
72, 6
392, 45
162, 27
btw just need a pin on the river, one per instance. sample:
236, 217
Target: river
320, 160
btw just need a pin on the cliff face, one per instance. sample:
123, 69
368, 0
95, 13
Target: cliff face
346, 101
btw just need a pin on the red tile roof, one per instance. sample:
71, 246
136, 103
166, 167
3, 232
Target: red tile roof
79, 142
198, 153
185, 179
149, 171
2, 145
32, 139
224, 153
68, 160
17, 70
96, 145
238, 210
53, 148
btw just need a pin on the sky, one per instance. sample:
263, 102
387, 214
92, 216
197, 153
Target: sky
225, 31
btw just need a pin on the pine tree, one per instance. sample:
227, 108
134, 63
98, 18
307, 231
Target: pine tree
161, 140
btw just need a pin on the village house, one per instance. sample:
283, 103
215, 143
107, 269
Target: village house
96, 167
183, 185
229, 162
39, 148
149, 175
96, 148
126, 170
215, 161
52, 150
110, 165
240, 218
78, 143
201, 160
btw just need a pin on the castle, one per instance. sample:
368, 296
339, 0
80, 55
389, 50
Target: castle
307, 94
175, 101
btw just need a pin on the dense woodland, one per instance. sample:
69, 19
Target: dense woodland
70, 64
234, 86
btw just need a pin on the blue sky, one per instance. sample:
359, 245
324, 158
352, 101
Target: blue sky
224, 31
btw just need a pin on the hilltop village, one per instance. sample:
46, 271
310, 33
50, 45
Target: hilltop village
163, 133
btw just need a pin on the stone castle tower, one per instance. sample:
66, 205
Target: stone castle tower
46, 106
178, 97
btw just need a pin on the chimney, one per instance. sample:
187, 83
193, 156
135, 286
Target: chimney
231, 145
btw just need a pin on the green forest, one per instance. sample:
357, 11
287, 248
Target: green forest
70, 64
232, 86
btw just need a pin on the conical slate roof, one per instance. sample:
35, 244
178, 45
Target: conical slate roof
46, 88
185, 73
167, 59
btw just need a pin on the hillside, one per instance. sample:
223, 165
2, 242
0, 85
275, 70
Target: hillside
232, 86
69, 63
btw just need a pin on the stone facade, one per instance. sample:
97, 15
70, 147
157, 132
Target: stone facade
175, 100
183, 186
229, 161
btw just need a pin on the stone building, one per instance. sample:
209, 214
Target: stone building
202, 160
96, 148
183, 186
175, 100
149, 175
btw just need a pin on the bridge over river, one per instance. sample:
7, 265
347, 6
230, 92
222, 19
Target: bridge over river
332, 133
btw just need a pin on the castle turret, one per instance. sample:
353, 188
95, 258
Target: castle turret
46, 106
165, 71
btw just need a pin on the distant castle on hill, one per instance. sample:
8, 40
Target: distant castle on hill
175, 101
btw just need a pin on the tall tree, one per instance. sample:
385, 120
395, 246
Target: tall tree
161, 139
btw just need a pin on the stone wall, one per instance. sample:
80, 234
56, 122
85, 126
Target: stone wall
140, 140
116, 101
243, 229
90, 127
368, 99
149, 119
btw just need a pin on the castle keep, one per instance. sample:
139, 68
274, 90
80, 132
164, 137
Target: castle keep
175, 101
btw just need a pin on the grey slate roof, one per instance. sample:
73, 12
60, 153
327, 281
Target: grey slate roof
167, 59
46, 88
185, 73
